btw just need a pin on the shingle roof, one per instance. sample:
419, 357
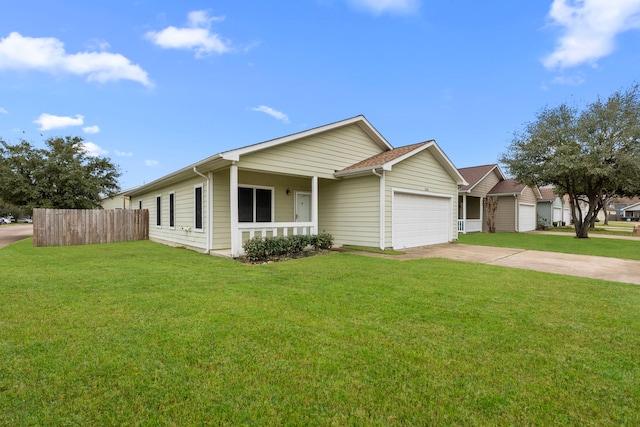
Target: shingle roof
384, 157
548, 194
507, 186
474, 174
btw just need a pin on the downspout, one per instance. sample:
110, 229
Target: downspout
382, 207
209, 231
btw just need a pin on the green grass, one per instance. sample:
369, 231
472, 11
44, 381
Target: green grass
608, 230
142, 334
373, 250
615, 248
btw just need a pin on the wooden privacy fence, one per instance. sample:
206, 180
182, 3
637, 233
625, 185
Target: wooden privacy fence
66, 227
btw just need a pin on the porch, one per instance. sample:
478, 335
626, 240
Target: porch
470, 214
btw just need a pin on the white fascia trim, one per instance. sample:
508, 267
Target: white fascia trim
484, 176
364, 124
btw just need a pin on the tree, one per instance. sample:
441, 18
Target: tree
490, 206
62, 176
590, 155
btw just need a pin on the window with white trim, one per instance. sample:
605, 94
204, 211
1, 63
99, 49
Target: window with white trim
172, 210
198, 207
158, 211
255, 204
139, 204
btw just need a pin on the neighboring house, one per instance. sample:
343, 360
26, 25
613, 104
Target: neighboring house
619, 203
343, 178
631, 212
120, 200
516, 210
552, 209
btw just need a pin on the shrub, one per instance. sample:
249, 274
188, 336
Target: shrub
259, 249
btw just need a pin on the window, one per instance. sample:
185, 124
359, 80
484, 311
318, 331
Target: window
172, 211
198, 208
139, 204
255, 204
158, 211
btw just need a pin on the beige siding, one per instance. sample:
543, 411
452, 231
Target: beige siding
421, 172
318, 155
221, 211
184, 213
485, 185
116, 202
528, 196
506, 213
350, 210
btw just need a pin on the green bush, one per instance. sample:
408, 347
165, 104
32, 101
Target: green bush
259, 249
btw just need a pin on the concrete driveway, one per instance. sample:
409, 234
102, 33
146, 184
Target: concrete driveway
12, 233
595, 267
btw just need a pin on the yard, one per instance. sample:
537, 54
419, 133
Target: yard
138, 333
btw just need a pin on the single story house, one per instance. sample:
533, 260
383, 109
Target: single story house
343, 178
516, 208
552, 209
631, 212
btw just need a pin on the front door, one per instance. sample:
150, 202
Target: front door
303, 208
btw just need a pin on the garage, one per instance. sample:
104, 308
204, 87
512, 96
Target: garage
420, 220
526, 217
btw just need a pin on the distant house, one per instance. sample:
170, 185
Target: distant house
631, 212
552, 210
120, 200
343, 178
516, 210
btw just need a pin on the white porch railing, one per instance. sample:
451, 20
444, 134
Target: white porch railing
247, 231
470, 225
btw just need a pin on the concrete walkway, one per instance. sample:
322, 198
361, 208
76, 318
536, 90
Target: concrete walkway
594, 267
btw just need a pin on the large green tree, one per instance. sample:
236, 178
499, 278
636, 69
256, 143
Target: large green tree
63, 175
590, 154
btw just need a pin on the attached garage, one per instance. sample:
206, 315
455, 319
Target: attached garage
526, 217
420, 220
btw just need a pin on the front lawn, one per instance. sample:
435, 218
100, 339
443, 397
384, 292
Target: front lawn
143, 334
615, 248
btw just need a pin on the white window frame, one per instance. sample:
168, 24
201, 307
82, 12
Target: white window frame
195, 207
273, 203
159, 211
172, 194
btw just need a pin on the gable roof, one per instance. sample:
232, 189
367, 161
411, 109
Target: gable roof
510, 186
548, 194
387, 159
634, 207
380, 160
360, 120
475, 174
224, 158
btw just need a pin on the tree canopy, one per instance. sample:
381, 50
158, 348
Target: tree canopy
62, 176
591, 154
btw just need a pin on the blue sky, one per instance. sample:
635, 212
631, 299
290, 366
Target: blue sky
158, 85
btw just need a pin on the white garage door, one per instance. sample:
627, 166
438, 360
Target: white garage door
527, 219
557, 214
420, 220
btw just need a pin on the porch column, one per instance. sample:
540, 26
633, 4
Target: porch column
464, 213
314, 204
233, 207
481, 213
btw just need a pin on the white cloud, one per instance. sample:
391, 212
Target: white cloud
196, 36
47, 54
569, 81
271, 112
94, 150
91, 129
123, 154
382, 6
49, 121
590, 28
3, 111
151, 163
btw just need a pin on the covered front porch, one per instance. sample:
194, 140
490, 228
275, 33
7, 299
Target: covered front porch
470, 214
268, 205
